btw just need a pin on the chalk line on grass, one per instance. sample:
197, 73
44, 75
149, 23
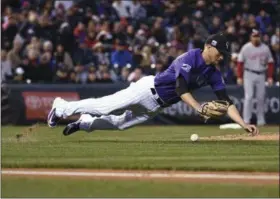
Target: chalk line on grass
152, 175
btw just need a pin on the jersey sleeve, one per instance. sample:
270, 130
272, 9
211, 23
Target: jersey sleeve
216, 81
181, 86
183, 66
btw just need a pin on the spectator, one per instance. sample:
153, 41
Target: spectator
148, 57
80, 74
119, 32
252, 24
66, 37
30, 28
105, 36
216, 25
135, 75
79, 32
47, 66
158, 32
6, 67
103, 74
31, 66
152, 9
130, 34
124, 74
172, 54
91, 35
73, 16
61, 75
14, 54
9, 31
63, 57
46, 29
196, 42
88, 19
106, 10
121, 8
137, 57
121, 57
91, 78
102, 57
159, 67
47, 58
73, 77
136, 10
34, 44
275, 40
83, 56
140, 38
263, 20
186, 27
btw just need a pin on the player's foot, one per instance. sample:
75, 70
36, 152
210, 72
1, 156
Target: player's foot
83, 123
71, 128
53, 118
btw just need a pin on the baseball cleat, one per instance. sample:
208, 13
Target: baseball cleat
71, 128
53, 119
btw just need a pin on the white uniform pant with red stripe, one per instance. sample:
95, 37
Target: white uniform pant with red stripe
123, 109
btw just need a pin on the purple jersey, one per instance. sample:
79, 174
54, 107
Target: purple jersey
195, 72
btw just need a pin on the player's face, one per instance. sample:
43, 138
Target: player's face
215, 56
256, 40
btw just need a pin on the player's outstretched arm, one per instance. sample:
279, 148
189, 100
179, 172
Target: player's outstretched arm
188, 99
233, 113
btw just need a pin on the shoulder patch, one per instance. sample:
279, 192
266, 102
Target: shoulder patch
186, 67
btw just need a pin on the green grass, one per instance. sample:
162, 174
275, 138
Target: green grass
166, 147
72, 187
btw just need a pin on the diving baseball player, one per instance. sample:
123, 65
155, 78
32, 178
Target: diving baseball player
145, 98
256, 59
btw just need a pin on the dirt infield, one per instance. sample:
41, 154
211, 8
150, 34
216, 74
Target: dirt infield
266, 137
218, 177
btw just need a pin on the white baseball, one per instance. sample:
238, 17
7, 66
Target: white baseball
194, 137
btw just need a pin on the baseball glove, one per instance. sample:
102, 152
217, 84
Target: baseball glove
215, 109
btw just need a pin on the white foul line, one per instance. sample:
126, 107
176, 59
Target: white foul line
140, 175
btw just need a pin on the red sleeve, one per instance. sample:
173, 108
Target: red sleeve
240, 69
270, 70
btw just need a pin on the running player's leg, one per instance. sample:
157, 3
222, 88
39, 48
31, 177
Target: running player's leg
138, 93
248, 96
260, 94
105, 122
99, 106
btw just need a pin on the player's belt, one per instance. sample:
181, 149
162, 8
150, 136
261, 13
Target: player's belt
159, 101
254, 71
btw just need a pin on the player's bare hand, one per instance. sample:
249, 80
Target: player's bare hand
252, 129
270, 81
240, 81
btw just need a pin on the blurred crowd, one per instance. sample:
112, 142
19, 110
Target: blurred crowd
86, 41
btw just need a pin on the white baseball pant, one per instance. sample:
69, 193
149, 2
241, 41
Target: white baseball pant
136, 103
252, 80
